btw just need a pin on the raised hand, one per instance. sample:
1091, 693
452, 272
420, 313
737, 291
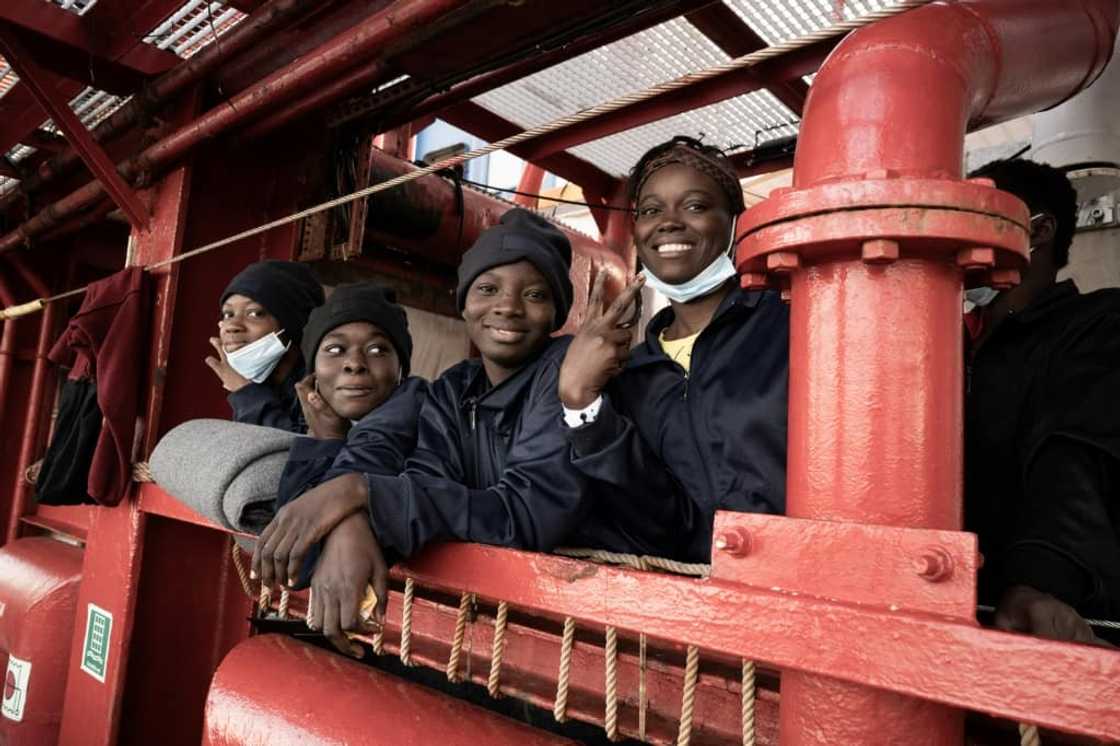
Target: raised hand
601, 347
230, 378
322, 421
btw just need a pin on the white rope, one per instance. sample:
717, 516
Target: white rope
739, 63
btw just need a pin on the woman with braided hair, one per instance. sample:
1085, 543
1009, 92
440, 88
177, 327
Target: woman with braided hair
693, 419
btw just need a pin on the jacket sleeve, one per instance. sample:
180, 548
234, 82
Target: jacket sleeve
537, 501
309, 459
1067, 536
635, 489
383, 440
258, 404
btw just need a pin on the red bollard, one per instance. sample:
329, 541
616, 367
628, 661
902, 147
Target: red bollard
39, 579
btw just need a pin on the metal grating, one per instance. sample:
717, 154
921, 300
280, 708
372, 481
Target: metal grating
661, 53
778, 20
74, 6
196, 24
741, 122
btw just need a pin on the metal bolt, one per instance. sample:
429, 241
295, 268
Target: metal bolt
977, 258
781, 262
735, 542
934, 564
880, 251
754, 281
1004, 279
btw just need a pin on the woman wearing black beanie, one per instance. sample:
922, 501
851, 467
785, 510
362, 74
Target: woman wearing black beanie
263, 312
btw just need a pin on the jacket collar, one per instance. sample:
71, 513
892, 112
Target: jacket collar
506, 395
734, 302
1046, 302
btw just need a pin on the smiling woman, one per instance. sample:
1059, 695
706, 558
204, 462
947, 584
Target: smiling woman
257, 354
652, 427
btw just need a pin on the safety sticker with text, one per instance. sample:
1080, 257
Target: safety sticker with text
95, 644
15, 688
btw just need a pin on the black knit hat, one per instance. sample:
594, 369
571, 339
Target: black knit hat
361, 301
522, 234
287, 289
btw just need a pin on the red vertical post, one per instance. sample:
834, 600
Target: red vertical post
872, 243
532, 178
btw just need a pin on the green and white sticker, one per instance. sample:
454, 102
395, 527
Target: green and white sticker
95, 645
16, 680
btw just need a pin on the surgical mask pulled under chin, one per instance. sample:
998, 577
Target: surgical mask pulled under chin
711, 277
257, 360
978, 297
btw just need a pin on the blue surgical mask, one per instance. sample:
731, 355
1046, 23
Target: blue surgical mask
711, 277
979, 297
257, 360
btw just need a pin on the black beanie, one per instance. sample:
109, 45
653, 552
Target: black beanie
522, 234
362, 301
287, 289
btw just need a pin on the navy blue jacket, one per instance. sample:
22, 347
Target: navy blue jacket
669, 448
1042, 458
379, 443
490, 466
270, 406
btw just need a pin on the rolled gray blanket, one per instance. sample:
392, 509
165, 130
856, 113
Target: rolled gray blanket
226, 471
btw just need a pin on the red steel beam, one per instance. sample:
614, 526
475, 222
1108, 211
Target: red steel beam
111, 31
397, 25
42, 85
1060, 685
489, 126
728, 32
711, 91
271, 17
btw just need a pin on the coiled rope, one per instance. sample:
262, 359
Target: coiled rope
493, 683
739, 63
563, 676
610, 657
466, 602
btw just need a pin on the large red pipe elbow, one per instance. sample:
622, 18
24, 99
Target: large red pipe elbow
901, 94
872, 244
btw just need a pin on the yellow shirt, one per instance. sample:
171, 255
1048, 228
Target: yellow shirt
679, 350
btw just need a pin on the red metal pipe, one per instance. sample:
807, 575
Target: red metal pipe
253, 692
244, 36
346, 85
532, 178
873, 240
397, 26
422, 217
35, 414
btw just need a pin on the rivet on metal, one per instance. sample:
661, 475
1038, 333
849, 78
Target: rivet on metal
934, 564
782, 261
880, 251
736, 542
976, 258
1004, 279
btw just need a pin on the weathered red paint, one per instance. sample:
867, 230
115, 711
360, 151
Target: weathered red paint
39, 580
157, 93
394, 24
271, 685
37, 413
42, 85
875, 416
1068, 687
422, 217
913, 570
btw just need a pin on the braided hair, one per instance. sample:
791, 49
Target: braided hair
688, 151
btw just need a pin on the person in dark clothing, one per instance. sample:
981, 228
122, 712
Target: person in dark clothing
360, 402
263, 312
1042, 429
693, 419
491, 461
